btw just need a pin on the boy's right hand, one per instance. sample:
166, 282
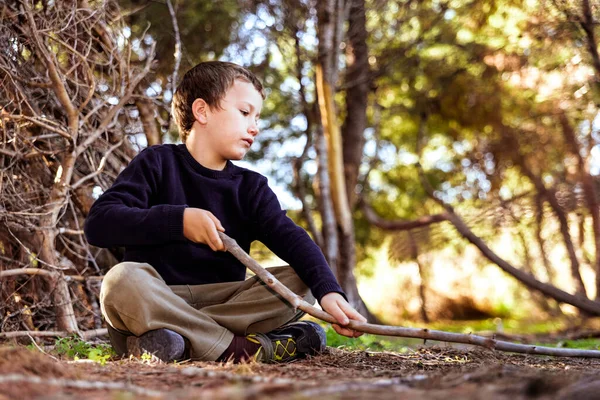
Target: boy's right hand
201, 226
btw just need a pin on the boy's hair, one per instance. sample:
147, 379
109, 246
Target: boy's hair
208, 81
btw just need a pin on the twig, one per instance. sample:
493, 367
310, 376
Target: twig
84, 334
177, 53
386, 330
40, 349
44, 272
78, 384
400, 224
100, 168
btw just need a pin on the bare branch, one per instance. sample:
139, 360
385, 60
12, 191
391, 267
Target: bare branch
114, 110
57, 82
100, 168
84, 335
177, 53
400, 225
41, 122
80, 384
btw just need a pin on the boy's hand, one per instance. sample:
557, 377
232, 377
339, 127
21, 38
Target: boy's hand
335, 305
201, 226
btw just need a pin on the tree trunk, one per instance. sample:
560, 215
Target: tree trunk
358, 82
151, 129
330, 235
61, 298
330, 13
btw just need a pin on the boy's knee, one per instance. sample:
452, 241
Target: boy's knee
123, 275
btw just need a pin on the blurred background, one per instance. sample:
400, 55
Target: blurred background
444, 154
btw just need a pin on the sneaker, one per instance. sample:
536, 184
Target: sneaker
165, 344
291, 341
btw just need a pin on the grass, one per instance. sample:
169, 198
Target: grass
585, 344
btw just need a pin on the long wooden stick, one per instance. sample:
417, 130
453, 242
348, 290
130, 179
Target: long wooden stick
386, 330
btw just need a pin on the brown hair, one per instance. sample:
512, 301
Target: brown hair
208, 81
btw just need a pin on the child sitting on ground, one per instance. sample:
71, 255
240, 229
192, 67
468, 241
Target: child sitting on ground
177, 294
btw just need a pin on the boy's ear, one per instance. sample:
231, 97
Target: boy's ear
200, 111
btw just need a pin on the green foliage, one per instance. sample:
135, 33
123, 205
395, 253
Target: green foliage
205, 28
77, 348
366, 342
587, 344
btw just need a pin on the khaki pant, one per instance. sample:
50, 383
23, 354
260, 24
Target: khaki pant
135, 299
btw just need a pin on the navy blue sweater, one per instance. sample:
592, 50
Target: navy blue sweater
143, 211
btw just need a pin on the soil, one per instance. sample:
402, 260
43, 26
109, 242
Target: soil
426, 373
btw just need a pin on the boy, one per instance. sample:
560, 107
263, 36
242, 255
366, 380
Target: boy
178, 294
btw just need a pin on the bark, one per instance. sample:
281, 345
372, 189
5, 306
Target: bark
330, 13
358, 85
299, 303
330, 235
326, 12
589, 191
147, 111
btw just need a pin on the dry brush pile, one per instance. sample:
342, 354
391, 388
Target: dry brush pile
70, 78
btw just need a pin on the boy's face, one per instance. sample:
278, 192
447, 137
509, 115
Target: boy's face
231, 129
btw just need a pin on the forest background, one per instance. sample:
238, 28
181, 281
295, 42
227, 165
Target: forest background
443, 154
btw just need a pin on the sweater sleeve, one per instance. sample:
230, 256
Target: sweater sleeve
291, 243
124, 215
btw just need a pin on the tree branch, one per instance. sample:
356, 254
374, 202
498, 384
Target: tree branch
400, 225
587, 24
57, 82
84, 335
299, 303
79, 384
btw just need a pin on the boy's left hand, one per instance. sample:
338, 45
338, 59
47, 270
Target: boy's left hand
335, 305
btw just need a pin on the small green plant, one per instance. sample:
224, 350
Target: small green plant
77, 348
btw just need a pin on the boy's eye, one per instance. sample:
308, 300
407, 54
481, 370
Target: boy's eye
244, 113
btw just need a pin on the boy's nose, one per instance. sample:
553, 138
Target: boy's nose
253, 129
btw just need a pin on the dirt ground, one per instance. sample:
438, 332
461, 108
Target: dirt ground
426, 373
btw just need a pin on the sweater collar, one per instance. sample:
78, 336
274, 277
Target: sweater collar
227, 172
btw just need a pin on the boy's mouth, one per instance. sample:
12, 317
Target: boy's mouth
249, 141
